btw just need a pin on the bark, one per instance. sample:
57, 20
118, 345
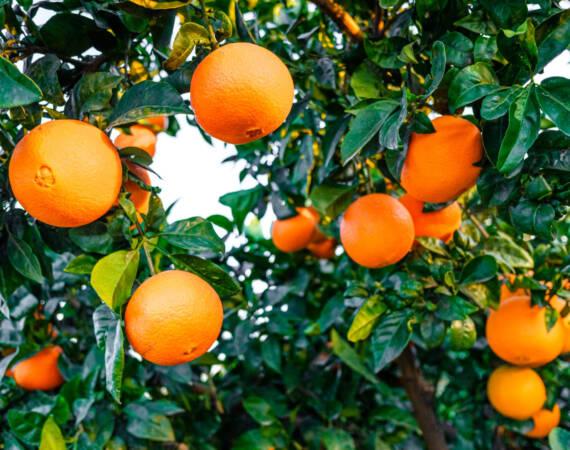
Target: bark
421, 394
342, 18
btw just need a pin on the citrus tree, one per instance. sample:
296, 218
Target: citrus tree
414, 290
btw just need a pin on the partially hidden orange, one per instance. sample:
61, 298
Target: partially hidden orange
156, 123
39, 372
139, 196
377, 231
323, 249
440, 166
295, 233
241, 92
141, 137
173, 317
544, 421
517, 333
440, 224
516, 392
65, 173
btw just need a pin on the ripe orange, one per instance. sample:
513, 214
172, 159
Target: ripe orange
241, 92
139, 196
65, 173
377, 231
173, 318
295, 233
516, 392
544, 421
156, 124
40, 372
439, 224
323, 249
141, 137
439, 166
566, 326
517, 333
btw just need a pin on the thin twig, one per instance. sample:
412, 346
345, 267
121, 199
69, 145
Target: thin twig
370, 182
213, 40
149, 259
342, 18
479, 225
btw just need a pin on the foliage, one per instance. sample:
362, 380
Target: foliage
305, 358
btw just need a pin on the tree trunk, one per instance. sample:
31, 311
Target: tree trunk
421, 393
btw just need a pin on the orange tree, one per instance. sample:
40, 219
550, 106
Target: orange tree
381, 346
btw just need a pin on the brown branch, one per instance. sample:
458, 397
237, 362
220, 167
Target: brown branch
421, 393
342, 18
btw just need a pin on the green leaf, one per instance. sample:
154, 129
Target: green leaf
504, 249
390, 129
462, 334
477, 22
552, 38
194, 234
113, 277
471, 84
332, 199
344, 351
425, 8
241, 203
479, 269
44, 73
217, 277
485, 48
533, 218
384, 53
51, 439
365, 82
4, 309
519, 46
458, 48
497, 104
147, 99
189, 35
559, 439
271, 353
554, 97
158, 5
524, 124
26, 425
437, 61
422, 124
22, 258
16, 89
390, 338
92, 238
114, 360
432, 330
452, 307
93, 93
506, 14
81, 265
397, 416
364, 126
337, 439
145, 424
365, 318
260, 410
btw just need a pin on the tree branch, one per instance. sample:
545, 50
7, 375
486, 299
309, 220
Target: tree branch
342, 18
420, 393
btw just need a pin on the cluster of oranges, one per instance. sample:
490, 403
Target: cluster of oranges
518, 334
378, 230
67, 173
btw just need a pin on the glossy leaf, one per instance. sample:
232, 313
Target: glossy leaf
470, 84
23, 259
365, 319
195, 234
81, 264
390, 338
51, 438
344, 351
189, 35
454, 308
16, 89
554, 97
497, 104
479, 269
331, 199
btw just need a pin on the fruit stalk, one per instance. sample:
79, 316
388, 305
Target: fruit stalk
420, 393
213, 40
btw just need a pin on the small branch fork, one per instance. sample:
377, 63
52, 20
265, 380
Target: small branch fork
341, 17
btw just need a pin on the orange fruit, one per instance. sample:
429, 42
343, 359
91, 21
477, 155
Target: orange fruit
566, 326
439, 224
156, 124
141, 137
439, 166
544, 421
295, 233
517, 333
173, 318
40, 372
377, 231
65, 173
516, 392
323, 249
139, 196
241, 92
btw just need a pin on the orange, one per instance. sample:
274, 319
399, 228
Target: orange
516, 392
40, 372
65, 173
139, 196
439, 224
517, 333
241, 92
544, 421
566, 326
439, 166
323, 249
156, 124
377, 231
295, 233
141, 137
173, 318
